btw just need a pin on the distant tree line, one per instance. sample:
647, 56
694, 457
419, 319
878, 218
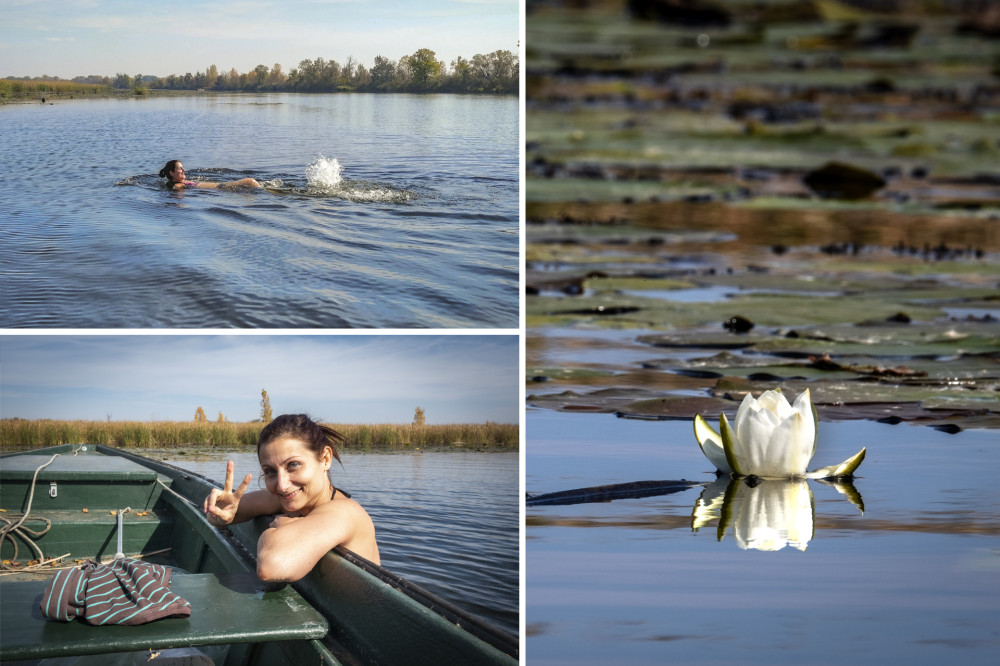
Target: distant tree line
420, 72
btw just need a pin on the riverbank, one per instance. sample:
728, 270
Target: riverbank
178, 437
51, 98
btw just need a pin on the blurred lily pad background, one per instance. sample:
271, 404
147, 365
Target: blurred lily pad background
728, 197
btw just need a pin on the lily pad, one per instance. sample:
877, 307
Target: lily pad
665, 196
610, 492
843, 367
546, 374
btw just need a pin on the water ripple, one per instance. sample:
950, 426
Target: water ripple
416, 232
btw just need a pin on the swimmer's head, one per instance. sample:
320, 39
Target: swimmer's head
314, 436
173, 170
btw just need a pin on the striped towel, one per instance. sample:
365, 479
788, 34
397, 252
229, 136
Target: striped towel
125, 592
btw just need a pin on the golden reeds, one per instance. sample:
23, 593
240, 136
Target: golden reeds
22, 434
14, 89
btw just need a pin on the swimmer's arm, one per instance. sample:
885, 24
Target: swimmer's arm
256, 503
242, 183
288, 551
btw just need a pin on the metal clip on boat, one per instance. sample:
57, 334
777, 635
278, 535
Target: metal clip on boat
121, 514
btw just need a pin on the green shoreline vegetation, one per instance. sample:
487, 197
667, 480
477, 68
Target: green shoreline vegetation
421, 72
23, 434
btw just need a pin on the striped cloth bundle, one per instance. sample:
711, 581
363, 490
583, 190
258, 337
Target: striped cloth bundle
125, 592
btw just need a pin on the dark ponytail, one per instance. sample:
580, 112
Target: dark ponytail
168, 169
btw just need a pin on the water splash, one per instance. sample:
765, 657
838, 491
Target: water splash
324, 177
324, 174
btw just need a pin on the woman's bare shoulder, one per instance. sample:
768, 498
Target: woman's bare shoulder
340, 505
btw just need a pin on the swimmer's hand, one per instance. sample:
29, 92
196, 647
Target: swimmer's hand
220, 506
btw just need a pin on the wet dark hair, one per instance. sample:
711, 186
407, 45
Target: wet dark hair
316, 436
168, 168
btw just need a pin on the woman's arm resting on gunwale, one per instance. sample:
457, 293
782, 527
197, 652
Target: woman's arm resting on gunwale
292, 546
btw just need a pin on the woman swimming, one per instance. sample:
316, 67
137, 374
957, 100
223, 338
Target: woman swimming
174, 172
313, 516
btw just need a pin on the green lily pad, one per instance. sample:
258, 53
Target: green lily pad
604, 401
842, 367
846, 393
546, 374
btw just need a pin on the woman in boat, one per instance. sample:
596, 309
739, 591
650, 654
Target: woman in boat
313, 516
174, 172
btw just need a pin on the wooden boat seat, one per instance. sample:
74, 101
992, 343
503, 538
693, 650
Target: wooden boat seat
225, 608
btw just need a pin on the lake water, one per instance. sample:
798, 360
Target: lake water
448, 522
914, 577
387, 211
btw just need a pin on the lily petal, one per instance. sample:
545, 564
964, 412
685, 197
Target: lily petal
844, 469
787, 452
802, 435
805, 396
758, 444
731, 445
775, 401
711, 444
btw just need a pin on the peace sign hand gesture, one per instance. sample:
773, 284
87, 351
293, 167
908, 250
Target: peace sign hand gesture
221, 505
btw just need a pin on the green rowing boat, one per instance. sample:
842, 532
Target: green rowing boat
64, 505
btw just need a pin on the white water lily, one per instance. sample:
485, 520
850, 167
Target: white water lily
771, 439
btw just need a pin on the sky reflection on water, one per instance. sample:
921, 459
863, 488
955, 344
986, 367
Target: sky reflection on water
916, 577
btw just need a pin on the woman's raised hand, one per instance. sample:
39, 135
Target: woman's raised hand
220, 505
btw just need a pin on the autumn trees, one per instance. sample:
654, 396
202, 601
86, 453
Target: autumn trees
265, 407
419, 72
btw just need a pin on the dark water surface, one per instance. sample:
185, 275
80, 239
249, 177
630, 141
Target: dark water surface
913, 578
445, 521
380, 211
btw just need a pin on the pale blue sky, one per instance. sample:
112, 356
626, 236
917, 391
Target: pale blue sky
337, 378
68, 38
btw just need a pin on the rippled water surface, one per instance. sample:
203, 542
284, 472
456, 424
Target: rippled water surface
903, 568
379, 211
445, 521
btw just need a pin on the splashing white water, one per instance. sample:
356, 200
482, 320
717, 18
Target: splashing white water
324, 173
324, 178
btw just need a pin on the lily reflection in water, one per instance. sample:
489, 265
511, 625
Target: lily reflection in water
763, 514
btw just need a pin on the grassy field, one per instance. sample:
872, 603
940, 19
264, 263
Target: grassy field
23, 434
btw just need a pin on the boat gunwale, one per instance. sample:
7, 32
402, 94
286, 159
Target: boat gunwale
479, 628
492, 635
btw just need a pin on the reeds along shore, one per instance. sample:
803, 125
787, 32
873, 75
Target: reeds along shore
11, 89
23, 434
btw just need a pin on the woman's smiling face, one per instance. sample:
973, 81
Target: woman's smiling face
294, 475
